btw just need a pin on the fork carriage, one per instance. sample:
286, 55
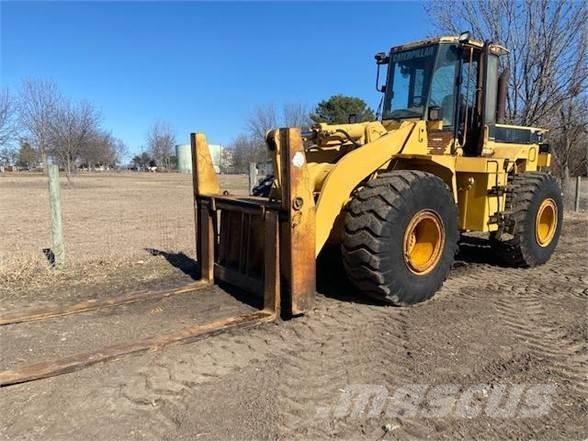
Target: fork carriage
262, 245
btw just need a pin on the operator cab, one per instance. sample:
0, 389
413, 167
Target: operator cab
451, 82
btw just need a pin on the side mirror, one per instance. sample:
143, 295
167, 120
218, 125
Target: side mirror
435, 113
381, 58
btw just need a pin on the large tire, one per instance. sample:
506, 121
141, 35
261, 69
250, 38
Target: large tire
381, 238
533, 199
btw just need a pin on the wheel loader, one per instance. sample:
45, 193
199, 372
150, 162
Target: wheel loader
396, 193
393, 195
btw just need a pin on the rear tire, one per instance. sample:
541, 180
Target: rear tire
400, 236
533, 220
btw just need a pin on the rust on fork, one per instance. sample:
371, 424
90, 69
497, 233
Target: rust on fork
94, 304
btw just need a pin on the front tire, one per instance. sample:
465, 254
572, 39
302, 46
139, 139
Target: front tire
400, 236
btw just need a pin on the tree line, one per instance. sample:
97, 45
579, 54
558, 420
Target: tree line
159, 153
249, 146
39, 124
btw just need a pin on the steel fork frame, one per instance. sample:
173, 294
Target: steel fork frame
289, 221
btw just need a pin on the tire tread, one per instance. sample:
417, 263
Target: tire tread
367, 226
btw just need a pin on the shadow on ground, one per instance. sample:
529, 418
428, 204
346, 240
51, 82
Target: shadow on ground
180, 261
474, 249
331, 279
191, 268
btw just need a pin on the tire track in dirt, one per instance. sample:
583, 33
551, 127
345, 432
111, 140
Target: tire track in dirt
521, 300
163, 388
322, 358
340, 346
343, 343
524, 313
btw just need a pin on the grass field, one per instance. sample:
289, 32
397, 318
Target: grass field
109, 220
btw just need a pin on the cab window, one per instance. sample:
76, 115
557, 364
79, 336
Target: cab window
443, 83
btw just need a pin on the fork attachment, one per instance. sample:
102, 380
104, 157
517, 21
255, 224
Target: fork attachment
264, 246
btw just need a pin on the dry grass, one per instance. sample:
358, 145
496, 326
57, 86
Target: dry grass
109, 220
110, 223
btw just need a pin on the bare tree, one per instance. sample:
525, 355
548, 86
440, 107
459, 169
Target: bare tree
102, 149
160, 141
96, 151
296, 115
121, 150
72, 128
545, 38
245, 150
250, 146
264, 118
570, 136
8, 130
548, 60
38, 104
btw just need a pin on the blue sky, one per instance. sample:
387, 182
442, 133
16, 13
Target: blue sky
201, 66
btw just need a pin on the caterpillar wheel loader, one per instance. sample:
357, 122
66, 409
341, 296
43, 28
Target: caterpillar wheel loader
393, 194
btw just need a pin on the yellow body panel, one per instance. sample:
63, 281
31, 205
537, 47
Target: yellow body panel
354, 167
439, 165
476, 177
345, 155
544, 160
470, 179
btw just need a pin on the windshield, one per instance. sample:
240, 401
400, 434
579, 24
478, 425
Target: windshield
409, 77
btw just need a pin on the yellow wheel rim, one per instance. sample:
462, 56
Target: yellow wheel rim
423, 242
546, 222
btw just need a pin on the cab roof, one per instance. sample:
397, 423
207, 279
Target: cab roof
495, 48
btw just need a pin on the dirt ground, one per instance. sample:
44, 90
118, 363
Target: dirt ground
489, 326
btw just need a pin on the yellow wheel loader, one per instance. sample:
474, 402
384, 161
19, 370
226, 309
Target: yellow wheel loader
395, 194
392, 194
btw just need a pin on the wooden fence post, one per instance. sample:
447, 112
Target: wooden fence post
57, 247
578, 191
252, 176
